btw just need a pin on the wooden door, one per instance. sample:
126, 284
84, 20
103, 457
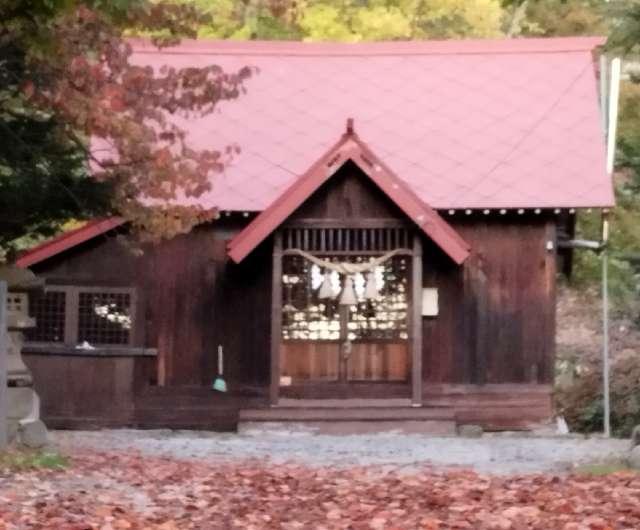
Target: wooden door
332, 349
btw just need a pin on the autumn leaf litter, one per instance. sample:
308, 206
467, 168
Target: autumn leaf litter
125, 488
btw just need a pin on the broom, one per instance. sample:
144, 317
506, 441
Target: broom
219, 383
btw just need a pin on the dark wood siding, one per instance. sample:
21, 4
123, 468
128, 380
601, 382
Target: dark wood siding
497, 312
495, 327
347, 198
190, 299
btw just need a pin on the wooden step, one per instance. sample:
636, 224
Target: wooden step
344, 403
216, 425
200, 418
335, 414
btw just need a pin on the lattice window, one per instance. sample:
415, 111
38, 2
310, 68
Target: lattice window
385, 317
49, 310
306, 317
104, 317
73, 315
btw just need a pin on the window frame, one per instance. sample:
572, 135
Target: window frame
72, 313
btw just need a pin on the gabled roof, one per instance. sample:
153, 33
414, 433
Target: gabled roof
67, 240
466, 124
349, 147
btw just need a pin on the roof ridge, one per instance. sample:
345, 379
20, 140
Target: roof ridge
415, 47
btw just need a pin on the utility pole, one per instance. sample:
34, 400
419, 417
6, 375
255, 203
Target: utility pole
605, 345
4, 394
605, 327
611, 122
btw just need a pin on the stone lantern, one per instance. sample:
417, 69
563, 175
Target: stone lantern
24, 421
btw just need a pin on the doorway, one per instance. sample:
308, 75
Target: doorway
330, 349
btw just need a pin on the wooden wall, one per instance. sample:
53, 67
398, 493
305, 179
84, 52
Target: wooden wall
84, 391
190, 299
348, 197
497, 312
496, 324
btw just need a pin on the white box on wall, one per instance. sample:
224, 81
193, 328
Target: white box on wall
429, 302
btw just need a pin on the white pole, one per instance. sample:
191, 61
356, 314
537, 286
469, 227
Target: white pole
605, 344
614, 95
3, 367
612, 124
604, 91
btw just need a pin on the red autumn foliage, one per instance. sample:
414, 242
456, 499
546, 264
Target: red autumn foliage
125, 491
88, 81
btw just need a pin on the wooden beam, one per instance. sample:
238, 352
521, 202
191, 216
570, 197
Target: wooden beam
400, 252
4, 395
276, 317
416, 322
363, 222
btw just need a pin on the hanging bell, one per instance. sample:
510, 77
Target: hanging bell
371, 289
348, 296
326, 291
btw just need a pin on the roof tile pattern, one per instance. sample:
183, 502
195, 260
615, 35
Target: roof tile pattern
466, 124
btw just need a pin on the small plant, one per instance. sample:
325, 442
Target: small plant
28, 460
599, 469
581, 402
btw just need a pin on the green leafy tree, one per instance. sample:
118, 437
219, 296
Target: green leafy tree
248, 19
561, 18
625, 34
352, 20
625, 226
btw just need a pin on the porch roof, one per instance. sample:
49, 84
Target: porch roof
349, 147
67, 240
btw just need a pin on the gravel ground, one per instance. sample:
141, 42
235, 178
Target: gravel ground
493, 453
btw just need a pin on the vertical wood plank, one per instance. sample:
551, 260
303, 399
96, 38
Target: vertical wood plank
416, 322
482, 341
546, 371
72, 308
3, 366
276, 317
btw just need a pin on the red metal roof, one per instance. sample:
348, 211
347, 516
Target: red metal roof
66, 240
349, 147
466, 124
